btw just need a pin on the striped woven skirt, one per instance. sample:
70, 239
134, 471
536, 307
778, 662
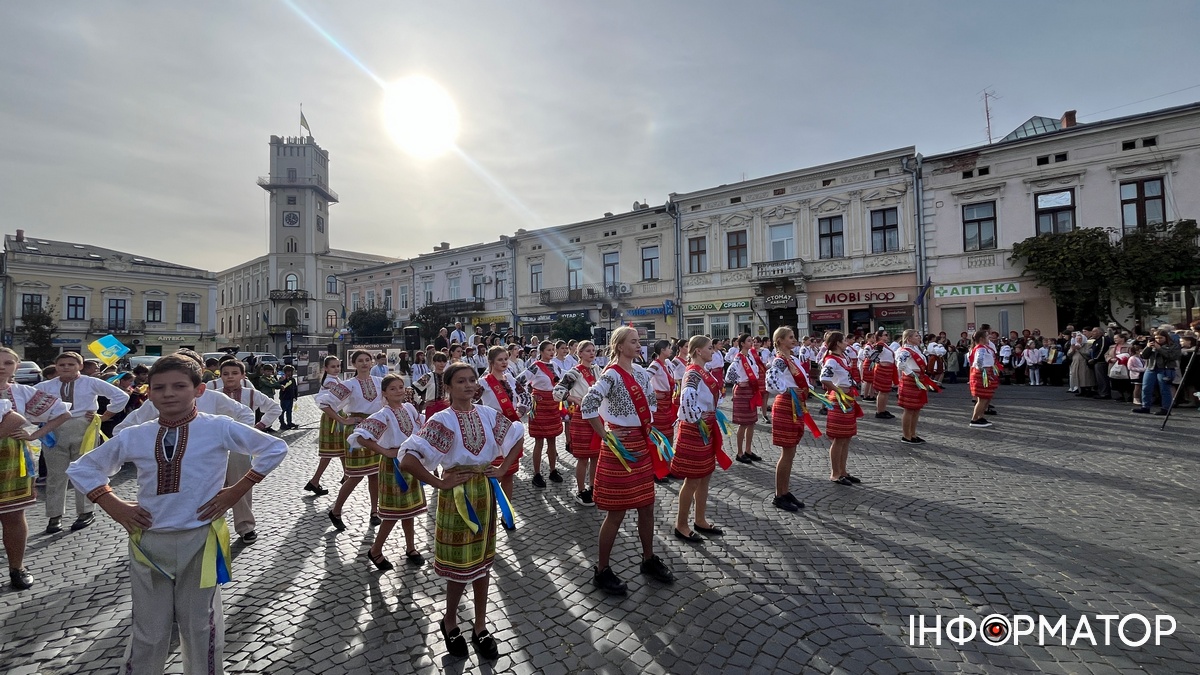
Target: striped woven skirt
359, 461
585, 444
617, 489
786, 430
16, 490
911, 396
459, 554
744, 410
693, 457
665, 415
394, 503
977, 388
884, 377
545, 421
840, 424
332, 440
868, 372
516, 465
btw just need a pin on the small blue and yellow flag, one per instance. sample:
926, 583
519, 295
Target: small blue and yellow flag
108, 349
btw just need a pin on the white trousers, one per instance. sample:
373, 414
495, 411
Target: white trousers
243, 515
66, 450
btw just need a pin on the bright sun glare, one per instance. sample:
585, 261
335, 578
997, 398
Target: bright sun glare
420, 116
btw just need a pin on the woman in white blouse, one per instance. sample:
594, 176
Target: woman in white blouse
350, 402
841, 424
698, 442
745, 375
585, 444
786, 376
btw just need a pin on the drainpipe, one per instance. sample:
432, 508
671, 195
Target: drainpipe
919, 199
673, 210
511, 243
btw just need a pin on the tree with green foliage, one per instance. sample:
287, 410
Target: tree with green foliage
1156, 257
571, 328
370, 325
40, 330
431, 320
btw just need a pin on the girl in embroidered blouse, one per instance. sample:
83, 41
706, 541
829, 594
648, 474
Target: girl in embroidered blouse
585, 445
419, 367
912, 397
785, 374
624, 399
331, 441
497, 384
382, 433
696, 447
545, 424
840, 426
745, 375
464, 440
666, 384
351, 402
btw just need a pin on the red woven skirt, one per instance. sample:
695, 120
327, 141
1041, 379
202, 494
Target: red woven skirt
693, 457
884, 377
585, 444
516, 466
617, 489
840, 424
912, 397
744, 411
977, 388
665, 415
545, 421
786, 432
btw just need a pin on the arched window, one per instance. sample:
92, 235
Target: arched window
222, 325
257, 288
222, 299
331, 284
291, 317
239, 323
331, 319
291, 282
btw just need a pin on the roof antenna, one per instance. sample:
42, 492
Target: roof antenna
988, 93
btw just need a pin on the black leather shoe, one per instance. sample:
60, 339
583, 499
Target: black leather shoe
607, 581
691, 538
55, 524
792, 498
538, 481
657, 570
20, 579
315, 489
785, 504
381, 563
841, 481
337, 522
485, 645
456, 644
744, 459
376, 521
83, 521
753, 457
555, 476
852, 479
714, 530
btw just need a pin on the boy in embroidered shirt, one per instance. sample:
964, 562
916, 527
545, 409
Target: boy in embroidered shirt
179, 543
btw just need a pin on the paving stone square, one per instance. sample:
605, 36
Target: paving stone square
1065, 507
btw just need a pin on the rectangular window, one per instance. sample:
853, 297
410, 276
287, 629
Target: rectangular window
291, 175
783, 241
535, 278
736, 249
116, 314
427, 292
979, 226
1055, 212
320, 224
187, 312
697, 255
744, 323
649, 263
575, 274
31, 303
612, 269
370, 299
291, 201
501, 284
695, 326
885, 231
830, 235
154, 311
718, 326
387, 298
76, 308
403, 297
354, 304
477, 286
454, 292
1142, 203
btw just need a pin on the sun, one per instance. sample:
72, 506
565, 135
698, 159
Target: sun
420, 116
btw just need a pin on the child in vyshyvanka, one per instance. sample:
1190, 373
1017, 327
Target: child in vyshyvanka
463, 440
178, 539
331, 441
382, 433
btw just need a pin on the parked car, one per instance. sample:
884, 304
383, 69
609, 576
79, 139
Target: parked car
28, 372
142, 360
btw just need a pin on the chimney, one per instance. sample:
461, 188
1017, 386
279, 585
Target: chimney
20, 235
1068, 120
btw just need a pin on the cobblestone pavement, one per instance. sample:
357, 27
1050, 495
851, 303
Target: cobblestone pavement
1065, 507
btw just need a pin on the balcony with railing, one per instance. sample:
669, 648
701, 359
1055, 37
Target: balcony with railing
283, 328
272, 182
117, 327
563, 295
288, 296
778, 269
459, 306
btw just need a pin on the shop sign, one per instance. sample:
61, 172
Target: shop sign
780, 301
717, 306
643, 311
485, 320
825, 316
66, 342
573, 315
1002, 288
537, 319
170, 338
893, 312
860, 297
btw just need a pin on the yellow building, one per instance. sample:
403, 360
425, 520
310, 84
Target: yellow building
158, 306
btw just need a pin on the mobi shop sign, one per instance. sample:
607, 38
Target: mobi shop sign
1003, 288
717, 306
879, 297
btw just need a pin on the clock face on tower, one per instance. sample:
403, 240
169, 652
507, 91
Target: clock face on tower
291, 219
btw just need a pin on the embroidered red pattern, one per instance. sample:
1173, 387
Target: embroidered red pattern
474, 436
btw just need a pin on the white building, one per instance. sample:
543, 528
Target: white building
1050, 175
291, 292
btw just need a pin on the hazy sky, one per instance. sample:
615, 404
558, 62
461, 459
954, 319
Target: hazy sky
143, 125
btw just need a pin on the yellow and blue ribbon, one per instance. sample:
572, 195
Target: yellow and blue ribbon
465, 510
506, 512
705, 432
665, 450
798, 408
623, 456
403, 484
25, 460
216, 566
723, 423
90, 435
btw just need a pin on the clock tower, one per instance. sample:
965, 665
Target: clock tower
300, 196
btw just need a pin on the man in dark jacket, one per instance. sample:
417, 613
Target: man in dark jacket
1101, 341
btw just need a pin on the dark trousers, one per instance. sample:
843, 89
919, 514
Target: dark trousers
1103, 388
287, 404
